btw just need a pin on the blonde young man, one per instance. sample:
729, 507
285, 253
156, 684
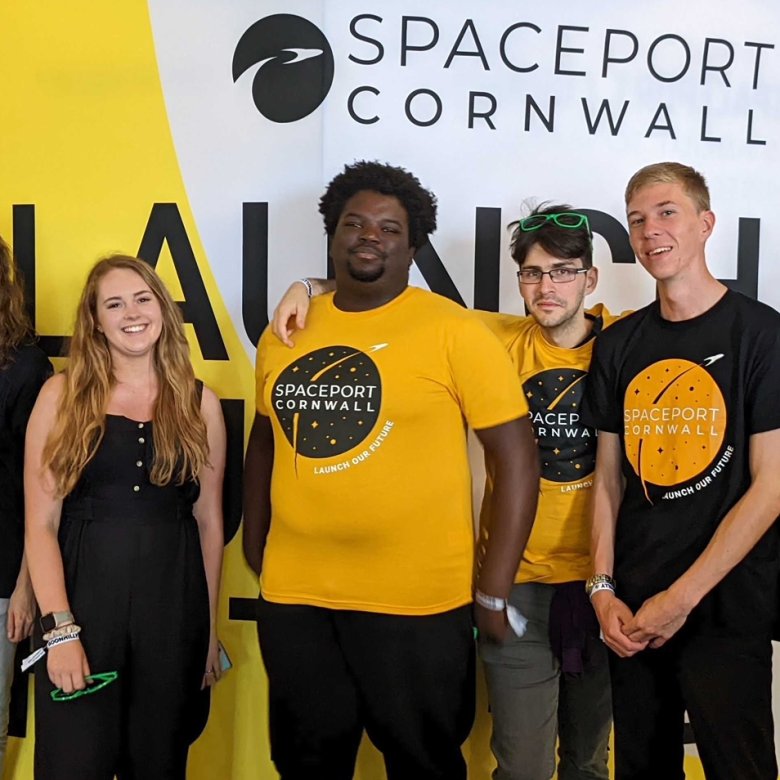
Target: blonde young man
550, 685
684, 395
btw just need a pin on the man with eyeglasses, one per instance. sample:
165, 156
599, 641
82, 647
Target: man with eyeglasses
554, 680
685, 544
551, 683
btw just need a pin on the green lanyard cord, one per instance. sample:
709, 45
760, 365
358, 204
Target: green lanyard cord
100, 680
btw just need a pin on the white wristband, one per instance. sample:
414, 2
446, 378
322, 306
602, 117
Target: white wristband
492, 603
601, 586
61, 640
517, 621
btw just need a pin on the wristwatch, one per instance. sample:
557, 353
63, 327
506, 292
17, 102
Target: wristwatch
55, 620
604, 580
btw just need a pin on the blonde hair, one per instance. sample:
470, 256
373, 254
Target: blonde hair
15, 326
691, 181
180, 439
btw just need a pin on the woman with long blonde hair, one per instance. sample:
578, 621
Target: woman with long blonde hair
123, 486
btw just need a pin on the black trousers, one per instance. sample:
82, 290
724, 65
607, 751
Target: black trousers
139, 591
407, 681
725, 685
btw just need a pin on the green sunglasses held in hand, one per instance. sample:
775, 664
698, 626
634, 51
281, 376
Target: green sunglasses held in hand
97, 683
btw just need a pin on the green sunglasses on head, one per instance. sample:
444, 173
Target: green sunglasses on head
565, 219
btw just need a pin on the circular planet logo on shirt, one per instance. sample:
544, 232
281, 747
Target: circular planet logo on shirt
674, 421
328, 401
567, 448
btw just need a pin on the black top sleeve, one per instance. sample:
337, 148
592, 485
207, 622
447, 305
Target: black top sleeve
33, 370
601, 406
763, 381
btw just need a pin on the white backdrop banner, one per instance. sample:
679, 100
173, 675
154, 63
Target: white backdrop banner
492, 105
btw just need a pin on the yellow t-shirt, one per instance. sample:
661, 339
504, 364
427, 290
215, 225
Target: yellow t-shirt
553, 379
371, 490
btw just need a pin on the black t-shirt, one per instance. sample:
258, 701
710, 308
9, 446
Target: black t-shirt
685, 397
20, 380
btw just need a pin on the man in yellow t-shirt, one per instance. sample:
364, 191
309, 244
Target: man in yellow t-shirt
552, 683
554, 680
357, 503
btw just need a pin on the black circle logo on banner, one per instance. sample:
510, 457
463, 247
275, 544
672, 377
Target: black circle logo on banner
567, 448
328, 401
295, 66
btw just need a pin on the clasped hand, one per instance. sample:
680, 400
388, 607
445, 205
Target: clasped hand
654, 623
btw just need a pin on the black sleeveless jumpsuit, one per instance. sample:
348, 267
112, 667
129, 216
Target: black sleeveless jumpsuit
136, 585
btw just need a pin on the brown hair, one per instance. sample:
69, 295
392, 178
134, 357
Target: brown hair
15, 326
180, 440
691, 181
564, 242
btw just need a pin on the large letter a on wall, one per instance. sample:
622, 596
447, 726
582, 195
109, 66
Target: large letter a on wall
165, 224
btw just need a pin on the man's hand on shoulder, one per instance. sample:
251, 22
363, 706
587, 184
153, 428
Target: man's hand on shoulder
290, 313
613, 615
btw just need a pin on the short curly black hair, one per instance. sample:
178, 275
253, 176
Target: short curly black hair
420, 204
564, 242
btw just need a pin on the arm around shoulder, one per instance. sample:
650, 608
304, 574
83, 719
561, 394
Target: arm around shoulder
291, 311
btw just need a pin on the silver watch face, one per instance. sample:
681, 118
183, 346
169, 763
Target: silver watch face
61, 617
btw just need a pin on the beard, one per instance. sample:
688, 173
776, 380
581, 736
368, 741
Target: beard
362, 274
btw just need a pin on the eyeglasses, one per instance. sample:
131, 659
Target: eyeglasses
558, 275
97, 683
565, 219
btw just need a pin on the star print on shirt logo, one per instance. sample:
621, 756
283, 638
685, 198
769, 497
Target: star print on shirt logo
567, 448
328, 401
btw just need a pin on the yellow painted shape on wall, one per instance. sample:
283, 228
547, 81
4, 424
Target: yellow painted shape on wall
84, 136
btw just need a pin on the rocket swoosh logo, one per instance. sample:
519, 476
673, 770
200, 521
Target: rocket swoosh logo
674, 422
298, 56
292, 63
303, 54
